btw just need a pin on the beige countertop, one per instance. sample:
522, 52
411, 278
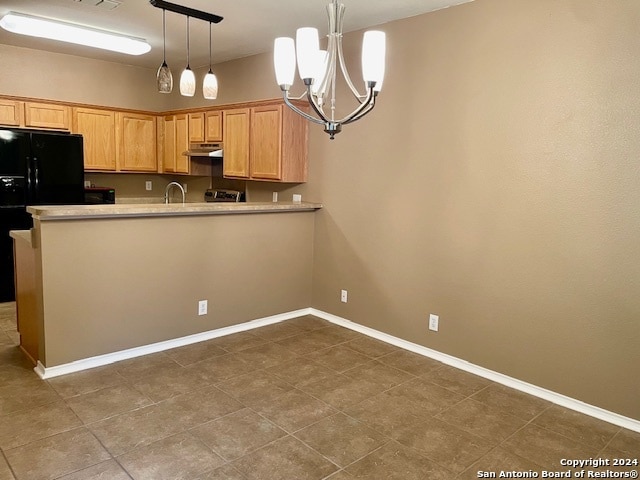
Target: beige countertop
79, 212
22, 235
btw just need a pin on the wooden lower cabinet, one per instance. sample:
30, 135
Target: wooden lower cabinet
267, 142
98, 129
136, 140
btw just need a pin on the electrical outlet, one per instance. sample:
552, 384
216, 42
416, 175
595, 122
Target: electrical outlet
297, 198
184, 185
202, 307
148, 185
433, 322
275, 197
343, 296
87, 183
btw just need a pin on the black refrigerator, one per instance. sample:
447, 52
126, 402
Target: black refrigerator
36, 168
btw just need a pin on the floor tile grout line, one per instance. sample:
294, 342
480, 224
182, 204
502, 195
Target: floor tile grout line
6, 460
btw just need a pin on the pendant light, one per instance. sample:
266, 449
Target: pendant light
164, 76
210, 84
187, 79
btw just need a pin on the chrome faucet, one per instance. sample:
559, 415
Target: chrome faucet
168, 188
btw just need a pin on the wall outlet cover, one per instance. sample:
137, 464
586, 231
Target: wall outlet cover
148, 185
202, 307
297, 198
434, 320
343, 296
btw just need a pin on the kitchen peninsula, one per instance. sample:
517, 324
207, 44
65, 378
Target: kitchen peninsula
113, 280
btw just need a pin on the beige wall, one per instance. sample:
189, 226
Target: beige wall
507, 131
507, 135
109, 285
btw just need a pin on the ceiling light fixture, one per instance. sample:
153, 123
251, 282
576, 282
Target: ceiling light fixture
164, 76
210, 83
318, 70
188, 78
78, 34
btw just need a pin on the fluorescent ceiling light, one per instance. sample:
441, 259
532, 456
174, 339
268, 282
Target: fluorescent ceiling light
66, 32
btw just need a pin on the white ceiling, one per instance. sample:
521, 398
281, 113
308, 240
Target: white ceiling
248, 28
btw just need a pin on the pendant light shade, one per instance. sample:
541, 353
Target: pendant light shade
187, 83
188, 78
210, 86
210, 83
164, 77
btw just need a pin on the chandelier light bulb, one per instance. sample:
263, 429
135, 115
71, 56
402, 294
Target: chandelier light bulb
284, 60
373, 56
307, 46
320, 71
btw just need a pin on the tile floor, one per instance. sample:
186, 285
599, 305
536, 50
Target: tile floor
302, 399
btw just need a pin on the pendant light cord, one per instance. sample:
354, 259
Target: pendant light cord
209, 46
188, 42
164, 37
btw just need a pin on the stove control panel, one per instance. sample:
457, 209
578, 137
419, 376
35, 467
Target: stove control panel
223, 196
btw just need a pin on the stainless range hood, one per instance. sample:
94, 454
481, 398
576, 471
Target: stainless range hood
211, 150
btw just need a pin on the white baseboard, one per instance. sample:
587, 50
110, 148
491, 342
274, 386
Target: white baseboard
557, 398
108, 358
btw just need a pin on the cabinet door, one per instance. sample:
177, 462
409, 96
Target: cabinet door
196, 127
265, 145
136, 138
236, 143
46, 115
169, 144
98, 128
11, 113
213, 126
182, 143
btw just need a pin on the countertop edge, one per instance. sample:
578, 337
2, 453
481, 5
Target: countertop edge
86, 212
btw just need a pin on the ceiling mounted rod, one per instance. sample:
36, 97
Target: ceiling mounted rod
189, 12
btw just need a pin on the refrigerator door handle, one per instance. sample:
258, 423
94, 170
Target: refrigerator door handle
36, 178
29, 180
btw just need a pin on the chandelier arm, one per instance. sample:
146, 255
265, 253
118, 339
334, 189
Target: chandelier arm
346, 76
360, 112
311, 118
367, 109
315, 106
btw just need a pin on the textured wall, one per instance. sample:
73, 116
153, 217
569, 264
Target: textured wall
496, 185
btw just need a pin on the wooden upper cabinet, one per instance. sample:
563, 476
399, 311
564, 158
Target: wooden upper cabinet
169, 144
182, 143
47, 115
98, 129
11, 113
266, 143
196, 127
236, 143
136, 139
213, 126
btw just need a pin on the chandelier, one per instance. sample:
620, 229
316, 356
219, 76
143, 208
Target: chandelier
318, 70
